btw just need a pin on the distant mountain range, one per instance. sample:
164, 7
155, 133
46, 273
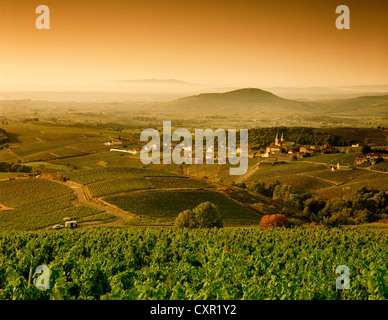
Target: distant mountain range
156, 81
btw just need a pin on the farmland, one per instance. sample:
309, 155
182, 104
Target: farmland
313, 174
18, 193
77, 153
37, 203
96, 175
164, 205
225, 264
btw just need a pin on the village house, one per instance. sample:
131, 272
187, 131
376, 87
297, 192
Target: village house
308, 149
374, 158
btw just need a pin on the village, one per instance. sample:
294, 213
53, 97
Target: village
279, 150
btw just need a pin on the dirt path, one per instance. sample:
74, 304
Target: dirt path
14, 154
4, 207
248, 173
120, 215
326, 180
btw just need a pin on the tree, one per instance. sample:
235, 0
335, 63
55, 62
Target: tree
273, 221
185, 219
366, 149
205, 215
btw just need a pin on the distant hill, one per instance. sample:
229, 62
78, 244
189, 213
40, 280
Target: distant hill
242, 100
323, 93
374, 105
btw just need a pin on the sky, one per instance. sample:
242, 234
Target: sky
246, 43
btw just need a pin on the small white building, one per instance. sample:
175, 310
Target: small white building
343, 167
71, 224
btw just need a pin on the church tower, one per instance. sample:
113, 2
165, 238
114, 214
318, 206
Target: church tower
277, 139
282, 138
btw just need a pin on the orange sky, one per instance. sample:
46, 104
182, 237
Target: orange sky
243, 43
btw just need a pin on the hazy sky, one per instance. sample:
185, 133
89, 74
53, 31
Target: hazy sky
257, 43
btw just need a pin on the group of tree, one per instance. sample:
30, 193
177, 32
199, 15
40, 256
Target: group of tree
14, 167
262, 137
3, 136
205, 215
368, 149
365, 206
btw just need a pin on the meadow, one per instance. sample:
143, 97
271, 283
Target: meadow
207, 264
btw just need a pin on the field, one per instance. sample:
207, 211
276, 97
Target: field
95, 175
37, 203
113, 186
101, 182
164, 205
18, 193
334, 158
227, 264
313, 174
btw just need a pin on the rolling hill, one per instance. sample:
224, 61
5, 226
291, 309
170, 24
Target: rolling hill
360, 105
242, 100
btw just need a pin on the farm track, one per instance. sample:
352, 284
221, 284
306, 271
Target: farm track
120, 215
14, 154
321, 163
248, 173
326, 180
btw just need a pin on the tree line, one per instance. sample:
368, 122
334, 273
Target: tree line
14, 167
365, 206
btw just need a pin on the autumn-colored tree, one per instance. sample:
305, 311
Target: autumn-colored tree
273, 221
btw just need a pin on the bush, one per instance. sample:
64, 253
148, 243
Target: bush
185, 219
205, 215
273, 221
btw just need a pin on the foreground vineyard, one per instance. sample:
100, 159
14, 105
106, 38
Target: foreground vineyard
110, 263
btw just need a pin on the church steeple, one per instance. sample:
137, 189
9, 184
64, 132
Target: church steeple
282, 138
277, 139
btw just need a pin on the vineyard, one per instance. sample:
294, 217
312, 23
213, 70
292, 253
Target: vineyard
94, 175
37, 203
112, 263
18, 193
165, 205
113, 186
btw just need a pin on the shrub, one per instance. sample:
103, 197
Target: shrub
205, 215
273, 221
185, 219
